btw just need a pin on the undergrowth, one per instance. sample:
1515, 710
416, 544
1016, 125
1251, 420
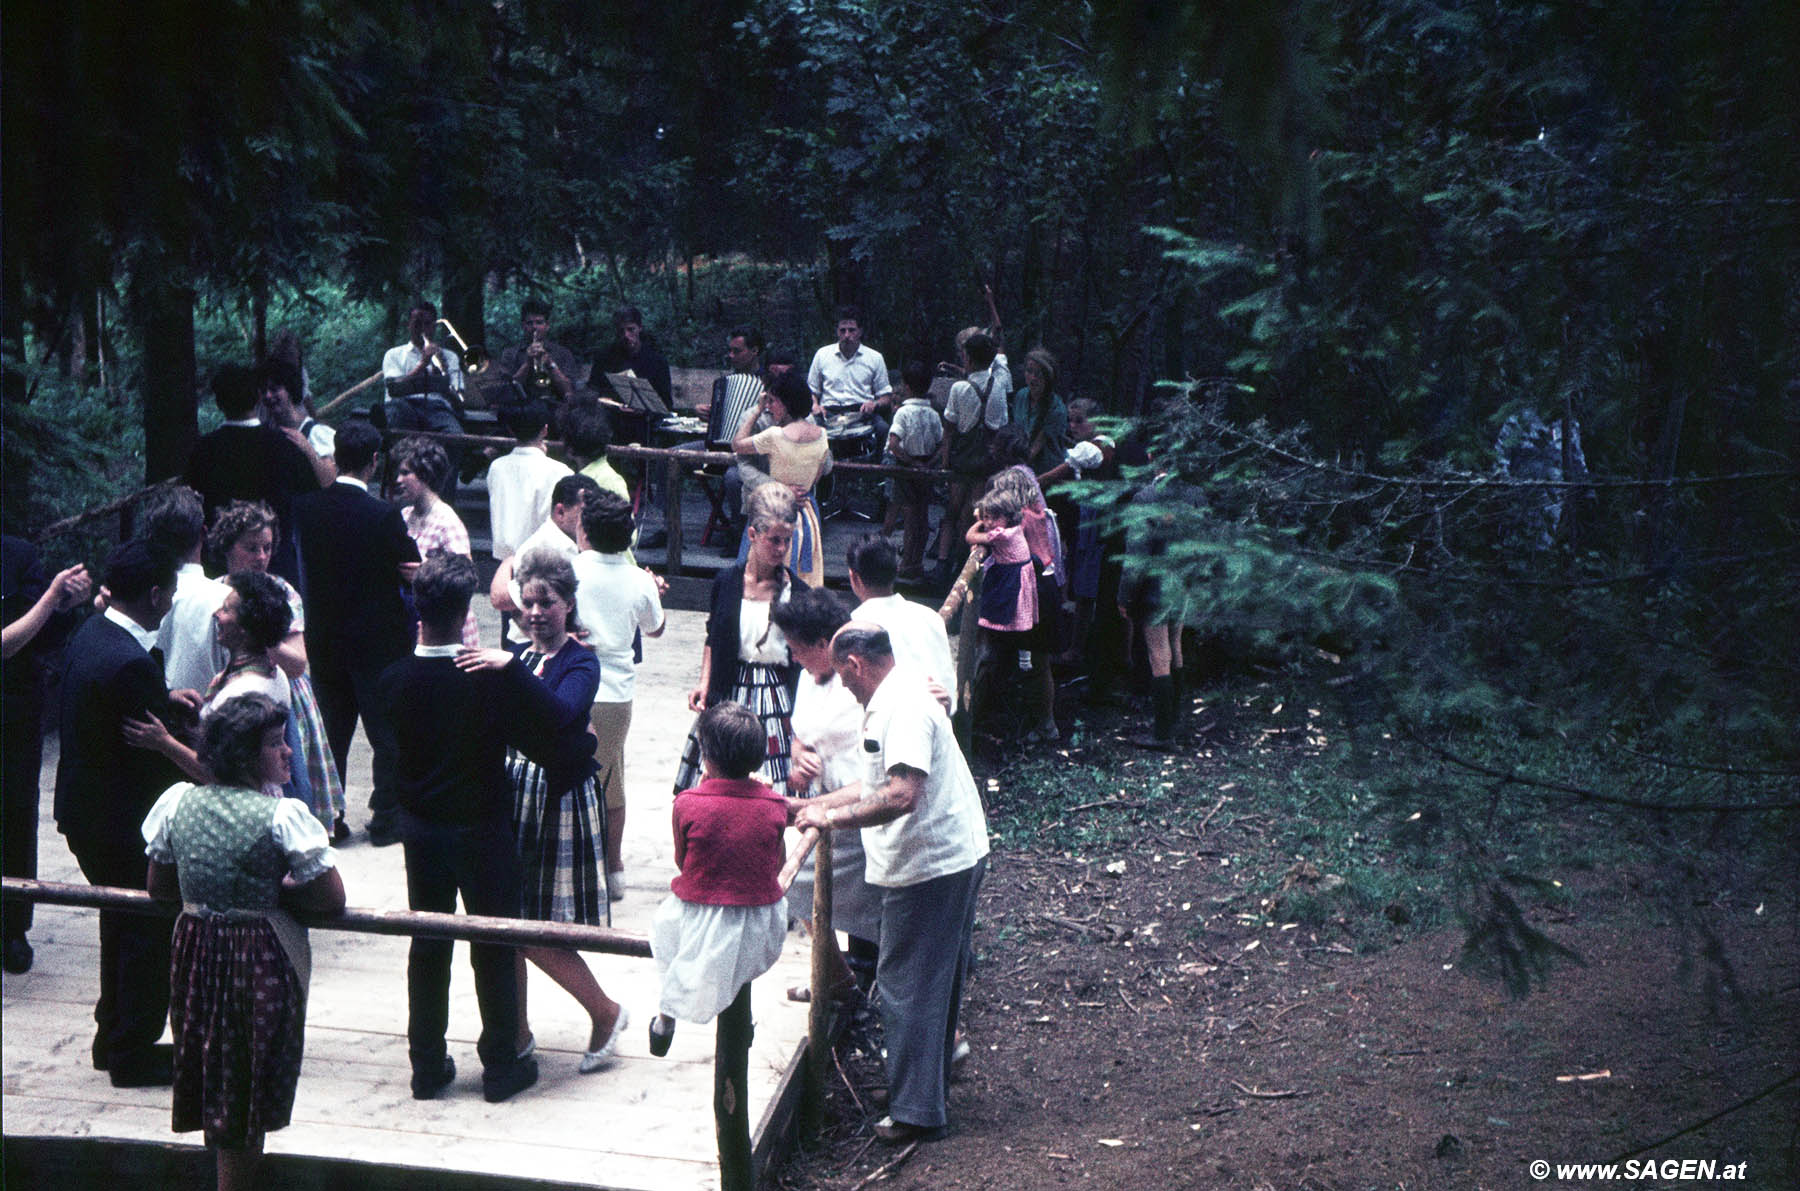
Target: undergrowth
1307, 818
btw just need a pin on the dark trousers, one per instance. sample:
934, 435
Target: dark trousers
134, 957
345, 687
478, 862
924, 960
20, 763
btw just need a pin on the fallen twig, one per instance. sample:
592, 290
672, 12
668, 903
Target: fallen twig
1128, 1005
883, 1171
1080, 927
1223, 799
1257, 1094
1088, 806
848, 1086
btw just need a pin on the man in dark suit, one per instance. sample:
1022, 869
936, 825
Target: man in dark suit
246, 460
104, 788
462, 709
356, 555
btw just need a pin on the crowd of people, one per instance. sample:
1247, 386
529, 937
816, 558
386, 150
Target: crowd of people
262, 610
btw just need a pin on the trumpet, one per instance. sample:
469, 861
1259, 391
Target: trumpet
475, 358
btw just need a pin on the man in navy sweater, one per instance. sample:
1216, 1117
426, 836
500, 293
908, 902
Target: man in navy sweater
451, 729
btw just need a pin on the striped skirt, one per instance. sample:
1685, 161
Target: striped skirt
560, 849
761, 689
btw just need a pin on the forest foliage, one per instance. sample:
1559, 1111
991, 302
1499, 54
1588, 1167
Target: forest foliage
1321, 255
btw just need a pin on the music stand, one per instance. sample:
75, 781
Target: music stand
636, 393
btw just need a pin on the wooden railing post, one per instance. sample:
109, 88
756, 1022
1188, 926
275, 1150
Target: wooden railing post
731, 1111
672, 514
824, 975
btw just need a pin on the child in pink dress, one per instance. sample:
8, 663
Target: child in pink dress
1008, 587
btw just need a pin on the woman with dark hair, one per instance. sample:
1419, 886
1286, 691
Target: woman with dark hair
558, 820
421, 470
252, 621
238, 860
746, 658
798, 453
243, 539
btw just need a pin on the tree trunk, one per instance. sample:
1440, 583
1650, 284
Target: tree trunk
166, 316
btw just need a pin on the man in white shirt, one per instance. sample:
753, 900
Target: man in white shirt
175, 523
520, 483
614, 601
558, 532
917, 632
425, 386
925, 842
848, 376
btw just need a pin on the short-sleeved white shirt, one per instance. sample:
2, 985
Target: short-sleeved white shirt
918, 636
613, 600
946, 832
839, 382
918, 427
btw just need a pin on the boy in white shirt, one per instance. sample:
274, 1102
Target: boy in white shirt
913, 442
614, 600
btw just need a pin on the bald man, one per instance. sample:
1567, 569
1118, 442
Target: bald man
925, 839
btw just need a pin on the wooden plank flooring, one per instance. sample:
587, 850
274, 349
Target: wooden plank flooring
644, 1123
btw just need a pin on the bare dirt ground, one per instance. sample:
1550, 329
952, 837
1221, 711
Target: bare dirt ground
1117, 1046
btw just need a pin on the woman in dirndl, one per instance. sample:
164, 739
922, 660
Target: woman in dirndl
239, 856
746, 657
559, 820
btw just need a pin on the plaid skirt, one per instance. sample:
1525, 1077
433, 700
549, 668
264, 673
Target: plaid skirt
315, 754
761, 689
559, 848
238, 1014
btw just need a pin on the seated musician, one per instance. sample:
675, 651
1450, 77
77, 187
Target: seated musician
537, 369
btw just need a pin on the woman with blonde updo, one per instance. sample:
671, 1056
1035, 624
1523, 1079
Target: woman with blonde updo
746, 658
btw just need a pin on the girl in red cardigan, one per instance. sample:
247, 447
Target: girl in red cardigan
726, 919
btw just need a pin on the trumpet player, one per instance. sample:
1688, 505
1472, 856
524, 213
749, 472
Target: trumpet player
424, 385
538, 369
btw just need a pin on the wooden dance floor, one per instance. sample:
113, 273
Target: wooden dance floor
643, 1123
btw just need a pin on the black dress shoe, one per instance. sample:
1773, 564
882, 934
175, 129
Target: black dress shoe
427, 1084
383, 836
660, 1038
509, 1080
153, 1067
18, 955
340, 831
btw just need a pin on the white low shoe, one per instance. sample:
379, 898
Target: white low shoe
593, 1060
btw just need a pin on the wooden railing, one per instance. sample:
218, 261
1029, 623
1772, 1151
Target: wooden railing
731, 1119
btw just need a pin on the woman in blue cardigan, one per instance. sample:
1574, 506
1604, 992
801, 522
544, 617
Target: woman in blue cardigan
558, 817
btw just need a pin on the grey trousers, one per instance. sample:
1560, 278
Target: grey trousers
924, 959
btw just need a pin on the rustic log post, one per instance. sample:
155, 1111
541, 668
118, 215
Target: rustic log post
672, 515
824, 975
731, 1075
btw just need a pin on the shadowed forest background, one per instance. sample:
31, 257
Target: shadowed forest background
1322, 256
